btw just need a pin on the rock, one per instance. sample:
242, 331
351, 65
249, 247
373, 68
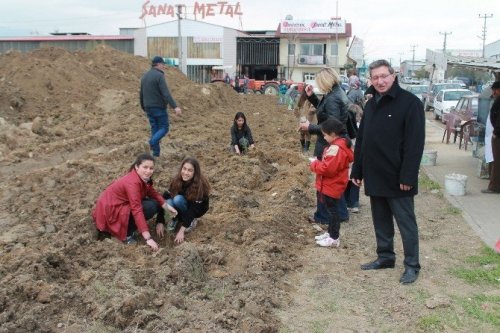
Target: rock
37, 126
50, 228
438, 301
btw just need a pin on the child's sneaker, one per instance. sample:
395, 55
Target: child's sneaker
329, 242
322, 236
192, 226
171, 225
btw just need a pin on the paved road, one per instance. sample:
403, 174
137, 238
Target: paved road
481, 211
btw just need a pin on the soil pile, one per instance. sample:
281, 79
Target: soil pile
70, 123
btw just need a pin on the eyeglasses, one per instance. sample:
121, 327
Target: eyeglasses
383, 77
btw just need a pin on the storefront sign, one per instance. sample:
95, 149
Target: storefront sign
208, 39
312, 26
203, 9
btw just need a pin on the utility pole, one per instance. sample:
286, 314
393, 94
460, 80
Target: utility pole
413, 58
483, 37
179, 36
444, 43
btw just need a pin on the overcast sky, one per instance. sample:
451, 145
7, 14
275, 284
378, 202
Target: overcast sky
389, 28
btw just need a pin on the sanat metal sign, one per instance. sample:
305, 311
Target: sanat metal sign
312, 26
202, 9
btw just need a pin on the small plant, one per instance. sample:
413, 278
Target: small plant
483, 268
431, 323
483, 308
453, 210
425, 182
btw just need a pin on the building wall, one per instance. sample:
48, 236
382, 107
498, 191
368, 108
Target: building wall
492, 50
294, 66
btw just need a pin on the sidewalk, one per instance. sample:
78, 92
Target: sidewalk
480, 210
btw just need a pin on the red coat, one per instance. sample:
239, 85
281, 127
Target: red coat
332, 172
120, 199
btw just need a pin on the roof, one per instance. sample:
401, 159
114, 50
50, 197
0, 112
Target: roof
477, 63
63, 38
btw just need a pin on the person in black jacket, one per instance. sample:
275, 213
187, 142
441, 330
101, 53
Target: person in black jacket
333, 104
241, 135
188, 194
494, 118
154, 97
387, 157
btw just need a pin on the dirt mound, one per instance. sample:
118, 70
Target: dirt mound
70, 123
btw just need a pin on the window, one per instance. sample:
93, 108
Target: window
311, 49
334, 49
291, 49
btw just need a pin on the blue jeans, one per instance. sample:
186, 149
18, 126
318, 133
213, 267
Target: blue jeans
150, 208
179, 202
352, 195
158, 120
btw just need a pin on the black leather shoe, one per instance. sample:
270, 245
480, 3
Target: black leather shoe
409, 276
377, 265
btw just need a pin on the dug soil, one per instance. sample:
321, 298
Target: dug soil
70, 123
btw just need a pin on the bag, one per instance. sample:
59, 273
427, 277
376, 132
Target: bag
351, 125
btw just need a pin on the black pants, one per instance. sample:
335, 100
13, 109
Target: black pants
403, 211
331, 205
150, 208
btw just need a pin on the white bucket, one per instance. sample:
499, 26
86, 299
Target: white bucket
429, 157
455, 184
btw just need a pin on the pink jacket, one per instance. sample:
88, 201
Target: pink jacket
120, 199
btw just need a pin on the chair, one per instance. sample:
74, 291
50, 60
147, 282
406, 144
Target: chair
467, 130
452, 126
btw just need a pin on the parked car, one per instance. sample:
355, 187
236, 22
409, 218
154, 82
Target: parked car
446, 99
435, 88
460, 82
467, 107
418, 90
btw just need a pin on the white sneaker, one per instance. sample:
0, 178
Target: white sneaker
354, 210
329, 242
192, 226
322, 236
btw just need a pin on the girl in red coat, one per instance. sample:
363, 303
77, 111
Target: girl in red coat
332, 176
125, 205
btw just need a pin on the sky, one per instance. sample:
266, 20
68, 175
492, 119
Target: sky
390, 29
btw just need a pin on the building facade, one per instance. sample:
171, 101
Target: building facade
306, 46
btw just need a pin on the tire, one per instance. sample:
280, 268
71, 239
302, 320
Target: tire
270, 89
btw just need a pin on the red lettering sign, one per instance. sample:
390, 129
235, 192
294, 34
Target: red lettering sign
203, 9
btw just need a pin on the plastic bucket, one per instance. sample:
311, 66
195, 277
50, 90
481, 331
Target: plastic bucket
429, 157
455, 184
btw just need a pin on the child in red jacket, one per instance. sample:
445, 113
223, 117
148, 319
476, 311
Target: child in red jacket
332, 176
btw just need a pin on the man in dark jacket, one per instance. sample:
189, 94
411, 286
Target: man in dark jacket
494, 184
154, 99
387, 156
